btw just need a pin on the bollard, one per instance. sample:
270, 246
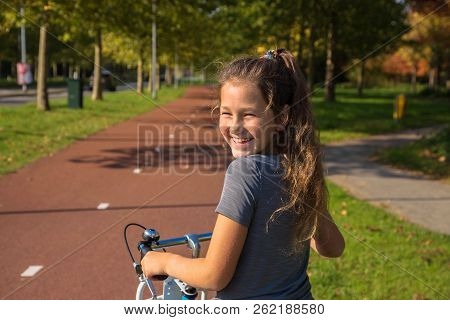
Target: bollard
399, 107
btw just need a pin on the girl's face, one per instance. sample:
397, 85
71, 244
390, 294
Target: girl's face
244, 123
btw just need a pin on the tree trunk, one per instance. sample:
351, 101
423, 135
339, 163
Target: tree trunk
155, 67
203, 76
54, 69
70, 71
438, 75
140, 75
361, 77
78, 72
414, 78
42, 93
149, 84
191, 73
301, 35
175, 72
329, 82
97, 83
432, 78
311, 58
157, 82
168, 76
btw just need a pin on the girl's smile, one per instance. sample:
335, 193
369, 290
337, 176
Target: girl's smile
245, 123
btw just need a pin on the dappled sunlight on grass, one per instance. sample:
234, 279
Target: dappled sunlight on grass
429, 155
373, 269
354, 117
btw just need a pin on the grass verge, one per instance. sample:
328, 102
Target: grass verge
430, 155
351, 116
27, 134
392, 259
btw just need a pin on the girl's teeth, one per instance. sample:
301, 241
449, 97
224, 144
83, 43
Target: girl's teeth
241, 140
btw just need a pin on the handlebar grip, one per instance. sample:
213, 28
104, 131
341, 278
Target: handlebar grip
160, 277
144, 248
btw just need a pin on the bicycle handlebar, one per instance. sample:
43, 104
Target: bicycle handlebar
151, 242
179, 241
145, 246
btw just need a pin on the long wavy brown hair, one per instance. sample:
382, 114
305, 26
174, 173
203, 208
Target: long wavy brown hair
284, 89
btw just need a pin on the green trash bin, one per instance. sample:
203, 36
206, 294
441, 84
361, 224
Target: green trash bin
75, 93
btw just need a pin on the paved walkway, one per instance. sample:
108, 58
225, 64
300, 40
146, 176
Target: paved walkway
413, 197
16, 97
16, 92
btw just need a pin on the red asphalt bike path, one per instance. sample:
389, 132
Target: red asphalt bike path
49, 215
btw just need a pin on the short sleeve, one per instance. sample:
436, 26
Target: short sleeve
240, 191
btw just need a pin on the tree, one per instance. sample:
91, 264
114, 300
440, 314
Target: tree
368, 37
42, 102
433, 34
39, 12
9, 24
97, 17
332, 20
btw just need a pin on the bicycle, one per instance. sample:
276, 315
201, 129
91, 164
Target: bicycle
173, 289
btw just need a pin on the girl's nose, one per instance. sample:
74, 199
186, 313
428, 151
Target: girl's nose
236, 127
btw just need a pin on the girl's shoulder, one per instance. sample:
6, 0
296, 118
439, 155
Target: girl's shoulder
255, 164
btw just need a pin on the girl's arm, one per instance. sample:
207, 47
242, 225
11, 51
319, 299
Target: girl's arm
327, 240
213, 272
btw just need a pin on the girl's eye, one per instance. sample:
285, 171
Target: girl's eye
225, 113
249, 115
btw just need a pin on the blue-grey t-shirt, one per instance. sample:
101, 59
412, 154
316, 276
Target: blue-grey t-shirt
266, 269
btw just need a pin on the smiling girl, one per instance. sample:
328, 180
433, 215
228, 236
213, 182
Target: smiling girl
273, 206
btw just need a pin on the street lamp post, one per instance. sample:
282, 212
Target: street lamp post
154, 50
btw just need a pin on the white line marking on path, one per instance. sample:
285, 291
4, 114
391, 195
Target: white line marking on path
31, 271
137, 171
103, 206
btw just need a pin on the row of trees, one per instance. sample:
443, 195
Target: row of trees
425, 50
328, 36
121, 28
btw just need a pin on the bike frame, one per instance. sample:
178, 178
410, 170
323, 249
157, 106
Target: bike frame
173, 289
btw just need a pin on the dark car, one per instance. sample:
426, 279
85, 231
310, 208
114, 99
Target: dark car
108, 82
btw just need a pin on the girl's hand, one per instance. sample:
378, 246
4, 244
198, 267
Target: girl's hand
154, 264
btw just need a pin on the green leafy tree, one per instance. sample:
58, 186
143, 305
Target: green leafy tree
97, 17
368, 37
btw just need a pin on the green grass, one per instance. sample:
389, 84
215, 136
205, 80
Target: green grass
352, 116
430, 155
363, 272
27, 134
